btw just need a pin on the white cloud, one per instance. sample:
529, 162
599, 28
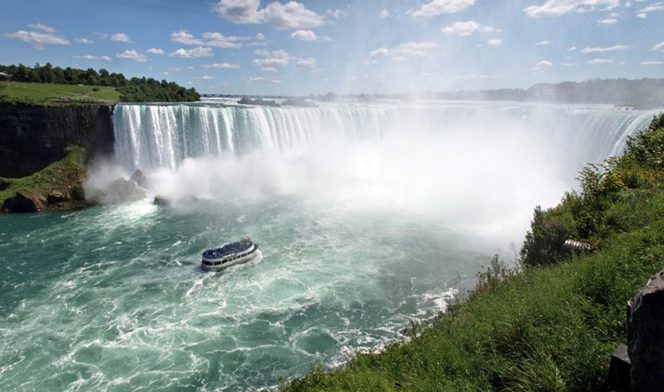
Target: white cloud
186, 38
132, 55
652, 7
292, 15
610, 21
543, 63
118, 37
192, 53
38, 40
652, 63
220, 66
609, 49
659, 47
91, 57
207, 77
304, 35
380, 52
560, 7
403, 51
256, 79
217, 40
42, 27
84, 41
543, 43
464, 29
156, 51
573, 48
495, 42
272, 60
437, 7
600, 61
259, 36
384, 14
306, 63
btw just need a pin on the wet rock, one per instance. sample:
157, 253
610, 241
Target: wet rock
57, 197
162, 201
646, 342
121, 191
139, 179
25, 202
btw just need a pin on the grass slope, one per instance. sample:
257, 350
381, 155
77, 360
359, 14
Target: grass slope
14, 91
551, 324
65, 176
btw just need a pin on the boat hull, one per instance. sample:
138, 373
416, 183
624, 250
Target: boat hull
221, 263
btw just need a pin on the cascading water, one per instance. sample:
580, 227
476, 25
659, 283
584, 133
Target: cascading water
368, 216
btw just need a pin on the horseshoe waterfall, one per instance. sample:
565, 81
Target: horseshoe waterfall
368, 215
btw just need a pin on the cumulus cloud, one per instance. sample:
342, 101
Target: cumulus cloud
403, 51
272, 60
192, 53
495, 42
437, 7
118, 37
42, 27
306, 62
560, 7
384, 14
659, 47
95, 58
156, 51
259, 36
217, 40
37, 39
652, 62
84, 41
609, 49
610, 21
185, 37
464, 29
304, 35
600, 61
220, 66
542, 64
132, 55
542, 43
292, 15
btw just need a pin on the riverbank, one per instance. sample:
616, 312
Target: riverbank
547, 322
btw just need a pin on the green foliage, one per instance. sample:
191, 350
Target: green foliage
549, 323
41, 78
65, 176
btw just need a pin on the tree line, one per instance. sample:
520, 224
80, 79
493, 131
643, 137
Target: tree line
131, 90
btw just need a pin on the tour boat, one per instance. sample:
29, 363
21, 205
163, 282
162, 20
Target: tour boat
233, 253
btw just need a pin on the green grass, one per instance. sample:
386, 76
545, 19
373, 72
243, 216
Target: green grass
549, 325
65, 176
14, 91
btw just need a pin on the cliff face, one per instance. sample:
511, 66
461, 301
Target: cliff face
33, 137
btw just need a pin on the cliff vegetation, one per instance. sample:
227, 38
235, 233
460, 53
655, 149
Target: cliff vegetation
545, 321
58, 186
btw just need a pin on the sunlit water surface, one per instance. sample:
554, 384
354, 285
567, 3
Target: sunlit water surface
367, 216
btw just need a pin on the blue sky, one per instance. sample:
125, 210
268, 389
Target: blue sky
341, 46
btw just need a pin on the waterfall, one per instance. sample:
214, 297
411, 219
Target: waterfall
152, 136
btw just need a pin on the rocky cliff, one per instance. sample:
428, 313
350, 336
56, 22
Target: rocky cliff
34, 136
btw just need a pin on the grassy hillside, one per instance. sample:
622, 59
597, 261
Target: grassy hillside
551, 323
65, 177
15, 91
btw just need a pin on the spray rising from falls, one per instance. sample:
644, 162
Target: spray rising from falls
479, 166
